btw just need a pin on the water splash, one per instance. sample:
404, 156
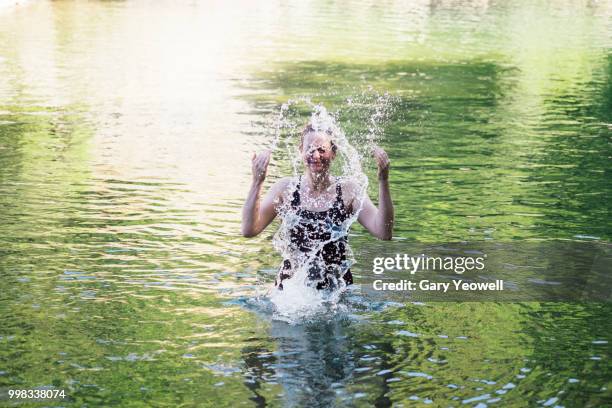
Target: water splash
299, 299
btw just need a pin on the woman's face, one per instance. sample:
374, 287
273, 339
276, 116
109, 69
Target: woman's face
317, 152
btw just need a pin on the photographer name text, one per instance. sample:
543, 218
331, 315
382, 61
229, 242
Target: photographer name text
427, 285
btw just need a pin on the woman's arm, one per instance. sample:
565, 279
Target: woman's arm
379, 221
257, 216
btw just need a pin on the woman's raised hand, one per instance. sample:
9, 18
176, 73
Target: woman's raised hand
259, 165
382, 160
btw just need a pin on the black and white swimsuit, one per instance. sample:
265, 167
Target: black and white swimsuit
329, 263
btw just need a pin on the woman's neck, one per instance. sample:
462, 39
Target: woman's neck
318, 182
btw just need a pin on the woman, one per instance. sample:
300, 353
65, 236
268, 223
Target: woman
308, 199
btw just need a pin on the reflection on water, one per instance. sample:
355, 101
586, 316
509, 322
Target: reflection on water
442, 353
126, 130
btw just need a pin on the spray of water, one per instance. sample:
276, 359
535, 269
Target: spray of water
299, 299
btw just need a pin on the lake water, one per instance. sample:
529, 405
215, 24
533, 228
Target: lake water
126, 131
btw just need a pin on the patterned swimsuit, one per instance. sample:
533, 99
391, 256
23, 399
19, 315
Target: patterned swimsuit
329, 263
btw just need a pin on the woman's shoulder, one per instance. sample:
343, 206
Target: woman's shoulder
350, 188
283, 187
349, 185
284, 182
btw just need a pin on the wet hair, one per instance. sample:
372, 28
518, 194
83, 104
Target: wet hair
309, 128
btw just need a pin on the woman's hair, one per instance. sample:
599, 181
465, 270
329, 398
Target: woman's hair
309, 128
